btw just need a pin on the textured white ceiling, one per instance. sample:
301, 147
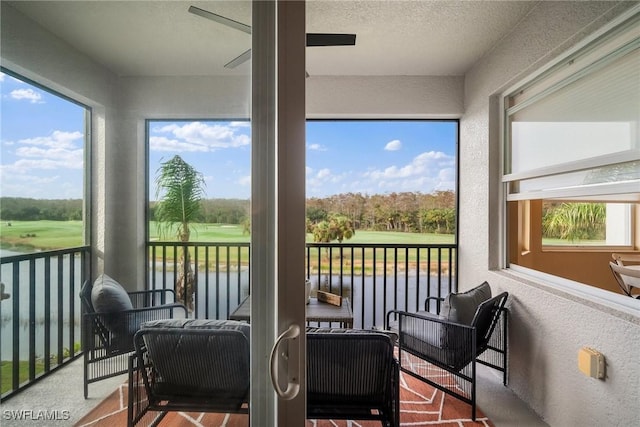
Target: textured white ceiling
153, 38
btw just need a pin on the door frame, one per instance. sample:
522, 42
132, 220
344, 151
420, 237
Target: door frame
277, 206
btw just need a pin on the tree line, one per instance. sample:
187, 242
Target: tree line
25, 209
406, 211
226, 211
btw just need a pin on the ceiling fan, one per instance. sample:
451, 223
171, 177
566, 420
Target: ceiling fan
313, 39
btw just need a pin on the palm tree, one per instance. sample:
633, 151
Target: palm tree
338, 227
182, 190
576, 221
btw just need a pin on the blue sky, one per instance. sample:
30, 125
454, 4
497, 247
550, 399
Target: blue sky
42, 139
42, 143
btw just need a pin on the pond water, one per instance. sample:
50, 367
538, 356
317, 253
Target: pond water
218, 294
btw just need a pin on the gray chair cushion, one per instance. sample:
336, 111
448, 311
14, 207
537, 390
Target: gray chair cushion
416, 330
461, 307
323, 330
243, 327
199, 363
108, 296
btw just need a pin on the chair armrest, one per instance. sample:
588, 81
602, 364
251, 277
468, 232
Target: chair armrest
170, 308
427, 318
430, 329
428, 300
151, 297
109, 326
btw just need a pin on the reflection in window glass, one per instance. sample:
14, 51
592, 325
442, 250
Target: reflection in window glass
586, 223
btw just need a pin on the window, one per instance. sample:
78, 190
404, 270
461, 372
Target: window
219, 150
586, 224
572, 159
386, 176
42, 230
43, 167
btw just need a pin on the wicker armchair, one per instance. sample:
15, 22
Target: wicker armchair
189, 365
107, 335
443, 352
203, 366
353, 375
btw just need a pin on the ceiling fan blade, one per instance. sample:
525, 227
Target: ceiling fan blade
330, 39
244, 57
220, 19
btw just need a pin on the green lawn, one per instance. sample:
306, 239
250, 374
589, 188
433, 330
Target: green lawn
6, 375
396, 237
28, 236
222, 233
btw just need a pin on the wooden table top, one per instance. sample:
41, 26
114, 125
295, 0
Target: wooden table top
317, 311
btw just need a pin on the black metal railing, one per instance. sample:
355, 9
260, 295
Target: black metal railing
40, 317
221, 272
382, 277
375, 277
40, 314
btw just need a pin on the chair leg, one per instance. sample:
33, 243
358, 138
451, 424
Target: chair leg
85, 377
474, 378
505, 343
130, 393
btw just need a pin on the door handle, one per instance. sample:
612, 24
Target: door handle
293, 380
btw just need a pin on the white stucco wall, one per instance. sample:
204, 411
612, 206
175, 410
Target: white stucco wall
548, 326
366, 97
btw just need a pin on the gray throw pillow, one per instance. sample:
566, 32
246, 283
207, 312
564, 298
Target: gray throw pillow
108, 296
461, 307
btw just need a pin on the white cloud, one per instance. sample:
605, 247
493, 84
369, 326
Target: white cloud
161, 143
2, 77
426, 163
54, 154
323, 173
246, 124
426, 172
28, 94
245, 181
24, 166
31, 180
316, 147
60, 150
198, 136
323, 179
58, 139
394, 145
